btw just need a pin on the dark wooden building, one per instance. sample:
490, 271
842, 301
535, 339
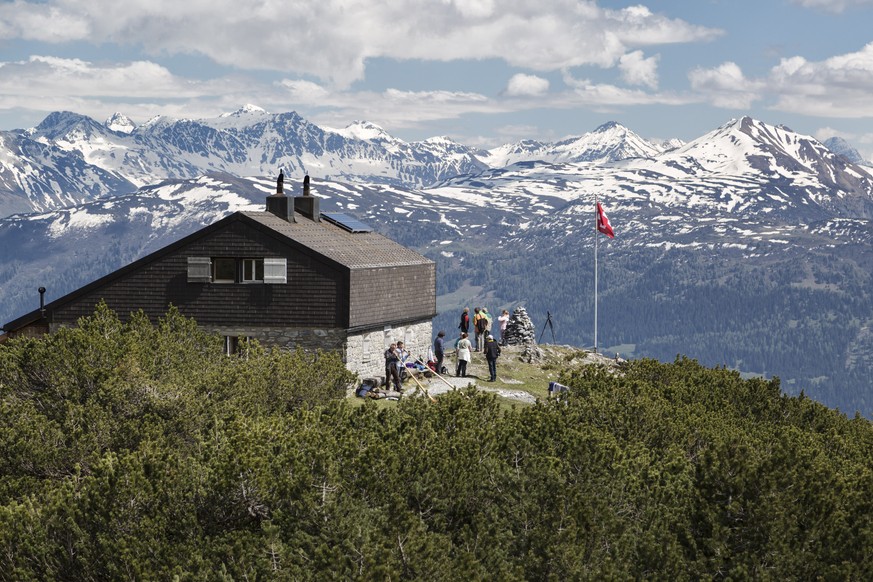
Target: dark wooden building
288, 276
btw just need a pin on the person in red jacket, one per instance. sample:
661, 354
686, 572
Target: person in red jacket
465, 321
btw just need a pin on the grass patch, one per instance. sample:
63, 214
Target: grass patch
514, 373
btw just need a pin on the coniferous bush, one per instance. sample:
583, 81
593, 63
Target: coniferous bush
140, 451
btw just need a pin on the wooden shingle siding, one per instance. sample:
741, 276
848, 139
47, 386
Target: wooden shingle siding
392, 294
338, 282
310, 298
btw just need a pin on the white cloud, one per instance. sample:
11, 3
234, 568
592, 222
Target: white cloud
527, 85
638, 70
604, 97
395, 109
836, 87
332, 39
824, 133
305, 92
725, 86
44, 75
833, 5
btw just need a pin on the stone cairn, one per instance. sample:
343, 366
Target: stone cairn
520, 331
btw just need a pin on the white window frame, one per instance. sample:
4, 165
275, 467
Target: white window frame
252, 264
231, 345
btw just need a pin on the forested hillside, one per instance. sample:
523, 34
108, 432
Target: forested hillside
800, 317
133, 451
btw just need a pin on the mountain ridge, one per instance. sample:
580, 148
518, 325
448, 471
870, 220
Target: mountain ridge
749, 248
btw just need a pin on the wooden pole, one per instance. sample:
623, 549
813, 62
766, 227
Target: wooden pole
420, 385
437, 374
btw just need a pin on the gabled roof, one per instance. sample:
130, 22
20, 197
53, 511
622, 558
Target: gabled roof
336, 245
355, 250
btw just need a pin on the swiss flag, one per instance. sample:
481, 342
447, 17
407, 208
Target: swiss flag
603, 222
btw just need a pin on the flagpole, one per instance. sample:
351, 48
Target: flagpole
596, 219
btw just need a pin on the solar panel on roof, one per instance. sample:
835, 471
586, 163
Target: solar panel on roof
346, 222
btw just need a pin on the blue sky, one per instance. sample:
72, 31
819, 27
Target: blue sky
483, 72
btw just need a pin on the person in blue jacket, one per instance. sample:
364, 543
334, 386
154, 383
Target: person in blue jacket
439, 351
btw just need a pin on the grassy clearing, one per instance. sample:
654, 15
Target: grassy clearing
514, 371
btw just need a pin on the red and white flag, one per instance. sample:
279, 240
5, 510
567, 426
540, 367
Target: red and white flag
603, 222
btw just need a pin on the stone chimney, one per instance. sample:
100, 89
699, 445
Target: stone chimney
278, 203
307, 205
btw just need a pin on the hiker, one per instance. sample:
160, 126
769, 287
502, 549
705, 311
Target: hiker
439, 351
402, 356
476, 318
481, 326
464, 347
392, 374
503, 320
465, 321
492, 351
488, 319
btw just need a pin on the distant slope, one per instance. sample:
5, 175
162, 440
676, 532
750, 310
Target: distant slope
751, 247
608, 143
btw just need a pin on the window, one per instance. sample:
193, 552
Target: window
366, 349
224, 270
237, 345
231, 345
233, 270
253, 270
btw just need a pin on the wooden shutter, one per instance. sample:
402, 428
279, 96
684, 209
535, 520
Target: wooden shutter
199, 269
276, 271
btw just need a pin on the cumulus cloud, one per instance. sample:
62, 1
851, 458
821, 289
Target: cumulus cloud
638, 70
726, 86
836, 87
605, 97
304, 92
141, 89
332, 39
45, 75
527, 85
395, 108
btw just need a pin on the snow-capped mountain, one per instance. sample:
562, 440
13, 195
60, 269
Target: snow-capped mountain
70, 158
842, 148
247, 142
253, 142
608, 143
40, 175
751, 246
120, 123
738, 189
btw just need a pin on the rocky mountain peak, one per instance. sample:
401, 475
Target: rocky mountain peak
842, 148
247, 109
120, 123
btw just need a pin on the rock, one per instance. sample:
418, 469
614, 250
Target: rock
531, 354
520, 330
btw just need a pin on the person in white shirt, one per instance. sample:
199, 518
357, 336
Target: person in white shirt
503, 320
